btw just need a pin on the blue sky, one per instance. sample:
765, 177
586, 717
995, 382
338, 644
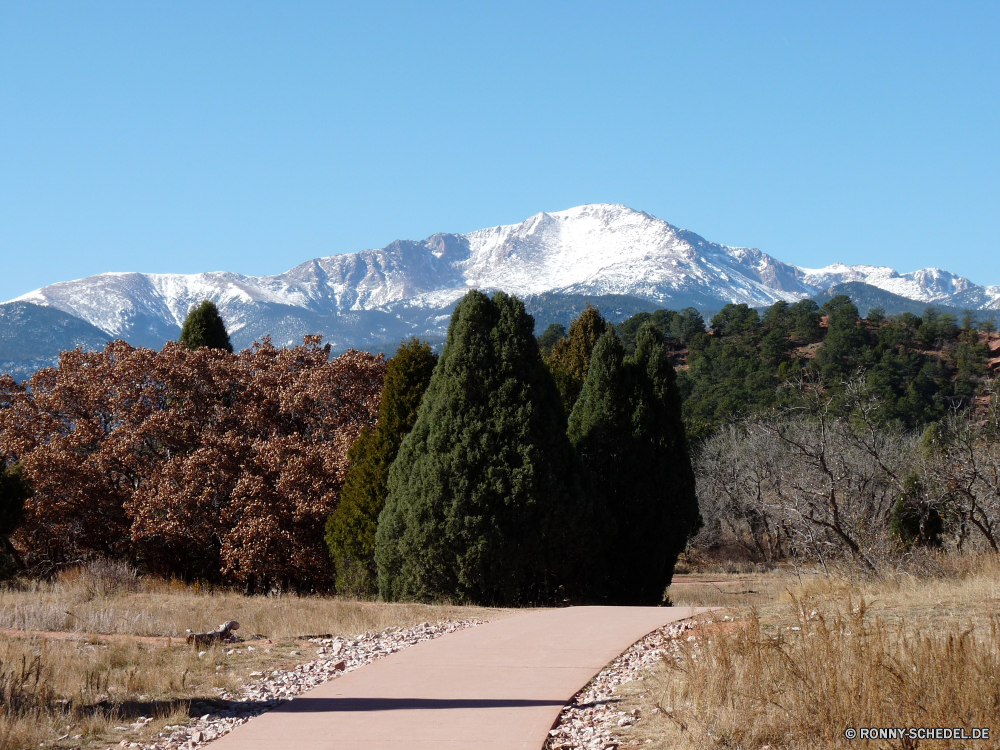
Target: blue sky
187, 137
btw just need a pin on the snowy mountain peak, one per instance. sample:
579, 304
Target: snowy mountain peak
925, 285
594, 249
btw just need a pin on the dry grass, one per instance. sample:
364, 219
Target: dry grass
828, 653
123, 655
111, 599
727, 590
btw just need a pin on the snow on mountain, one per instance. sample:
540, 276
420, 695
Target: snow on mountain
597, 249
605, 249
925, 285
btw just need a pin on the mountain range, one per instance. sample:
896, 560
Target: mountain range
621, 259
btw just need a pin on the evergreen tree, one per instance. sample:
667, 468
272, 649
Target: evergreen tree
204, 327
14, 490
486, 502
736, 320
350, 530
838, 356
550, 337
570, 356
804, 318
876, 316
680, 328
627, 428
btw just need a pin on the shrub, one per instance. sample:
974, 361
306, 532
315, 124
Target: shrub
196, 464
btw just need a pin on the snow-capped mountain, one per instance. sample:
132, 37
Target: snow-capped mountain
925, 285
410, 286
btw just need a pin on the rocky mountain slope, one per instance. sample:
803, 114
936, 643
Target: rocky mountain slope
32, 337
377, 296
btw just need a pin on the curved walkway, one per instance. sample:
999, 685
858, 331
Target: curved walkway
498, 685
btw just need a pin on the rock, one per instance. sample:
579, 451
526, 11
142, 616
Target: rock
340, 666
197, 736
221, 633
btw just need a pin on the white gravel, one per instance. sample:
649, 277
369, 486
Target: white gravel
270, 689
591, 720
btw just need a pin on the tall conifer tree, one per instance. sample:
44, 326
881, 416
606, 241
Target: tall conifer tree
570, 357
627, 428
486, 502
14, 491
350, 530
204, 327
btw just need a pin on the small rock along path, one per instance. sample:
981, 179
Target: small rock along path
495, 686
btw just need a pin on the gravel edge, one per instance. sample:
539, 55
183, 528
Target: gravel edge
268, 690
591, 720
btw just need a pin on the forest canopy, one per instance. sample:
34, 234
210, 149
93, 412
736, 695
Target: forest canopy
746, 361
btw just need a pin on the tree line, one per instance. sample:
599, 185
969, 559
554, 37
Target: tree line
811, 483
747, 361
509, 469
482, 481
467, 476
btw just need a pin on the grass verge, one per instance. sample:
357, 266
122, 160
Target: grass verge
830, 653
106, 660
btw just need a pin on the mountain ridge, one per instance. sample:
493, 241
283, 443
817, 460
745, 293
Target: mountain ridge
410, 286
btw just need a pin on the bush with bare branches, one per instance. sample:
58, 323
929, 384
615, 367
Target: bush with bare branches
810, 481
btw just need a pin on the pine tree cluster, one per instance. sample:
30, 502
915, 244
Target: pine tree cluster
493, 497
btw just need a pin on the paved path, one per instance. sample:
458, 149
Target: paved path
500, 685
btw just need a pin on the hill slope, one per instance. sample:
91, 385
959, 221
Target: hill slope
31, 337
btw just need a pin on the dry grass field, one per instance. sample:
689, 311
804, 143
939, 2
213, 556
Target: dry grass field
800, 658
98, 648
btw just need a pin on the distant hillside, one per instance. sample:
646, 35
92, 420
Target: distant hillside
866, 296
564, 308
31, 337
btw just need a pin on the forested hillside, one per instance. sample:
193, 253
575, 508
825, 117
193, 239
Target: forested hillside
824, 436
741, 361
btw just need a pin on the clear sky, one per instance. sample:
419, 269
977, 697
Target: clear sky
187, 137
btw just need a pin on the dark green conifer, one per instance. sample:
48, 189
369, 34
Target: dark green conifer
350, 530
627, 428
838, 356
204, 327
485, 501
570, 356
550, 337
14, 491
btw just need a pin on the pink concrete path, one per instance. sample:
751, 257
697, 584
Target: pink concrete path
500, 685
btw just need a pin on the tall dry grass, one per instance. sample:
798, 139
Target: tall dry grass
802, 689
833, 653
110, 598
